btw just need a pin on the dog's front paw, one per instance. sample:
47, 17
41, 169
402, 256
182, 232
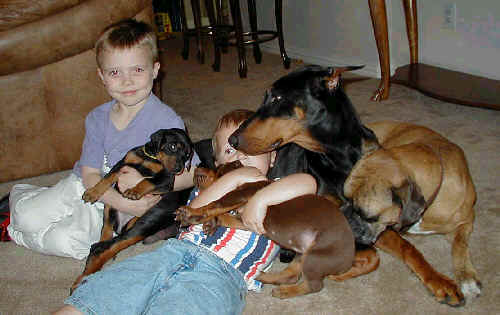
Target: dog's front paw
91, 195
210, 226
133, 194
186, 216
471, 288
445, 290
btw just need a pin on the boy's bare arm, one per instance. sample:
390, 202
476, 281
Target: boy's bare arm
289, 187
227, 183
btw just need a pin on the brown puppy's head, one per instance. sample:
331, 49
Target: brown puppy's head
204, 177
307, 107
172, 147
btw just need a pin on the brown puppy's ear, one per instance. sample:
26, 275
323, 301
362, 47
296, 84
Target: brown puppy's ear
333, 80
412, 203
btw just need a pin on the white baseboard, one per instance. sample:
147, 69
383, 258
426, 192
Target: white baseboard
370, 69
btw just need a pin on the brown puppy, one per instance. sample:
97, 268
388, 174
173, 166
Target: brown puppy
399, 177
311, 225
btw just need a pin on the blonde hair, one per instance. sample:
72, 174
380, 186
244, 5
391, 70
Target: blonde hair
232, 119
127, 34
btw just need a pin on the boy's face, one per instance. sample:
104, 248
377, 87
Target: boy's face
225, 153
128, 74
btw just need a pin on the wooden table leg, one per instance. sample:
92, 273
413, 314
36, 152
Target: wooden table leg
379, 22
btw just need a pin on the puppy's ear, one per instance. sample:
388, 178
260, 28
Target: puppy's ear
155, 144
412, 202
333, 80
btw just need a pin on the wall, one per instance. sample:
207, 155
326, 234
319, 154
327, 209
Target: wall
337, 32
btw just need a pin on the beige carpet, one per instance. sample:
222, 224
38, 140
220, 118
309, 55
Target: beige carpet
32, 283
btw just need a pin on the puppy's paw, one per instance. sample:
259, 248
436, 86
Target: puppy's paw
91, 195
133, 194
210, 226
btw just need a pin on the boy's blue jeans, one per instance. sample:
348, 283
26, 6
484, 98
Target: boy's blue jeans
176, 278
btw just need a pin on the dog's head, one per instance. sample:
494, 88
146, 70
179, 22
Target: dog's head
204, 177
405, 207
307, 107
172, 147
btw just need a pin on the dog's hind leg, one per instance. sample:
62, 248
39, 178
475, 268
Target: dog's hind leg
289, 275
365, 261
109, 219
305, 287
102, 252
313, 269
464, 270
443, 288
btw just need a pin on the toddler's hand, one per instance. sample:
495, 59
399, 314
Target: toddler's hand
248, 174
253, 215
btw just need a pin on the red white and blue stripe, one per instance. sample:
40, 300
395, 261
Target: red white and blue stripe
247, 251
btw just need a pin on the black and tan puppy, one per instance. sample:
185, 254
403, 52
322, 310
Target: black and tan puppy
398, 177
159, 161
311, 225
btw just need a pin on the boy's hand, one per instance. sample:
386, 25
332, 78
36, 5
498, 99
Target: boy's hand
128, 178
145, 203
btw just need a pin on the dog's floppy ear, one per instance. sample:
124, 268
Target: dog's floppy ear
412, 204
155, 143
333, 80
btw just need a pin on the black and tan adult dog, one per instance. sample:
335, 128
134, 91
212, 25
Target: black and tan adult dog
394, 177
159, 160
311, 225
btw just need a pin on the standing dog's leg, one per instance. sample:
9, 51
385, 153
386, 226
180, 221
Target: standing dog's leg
443, 288
464, 270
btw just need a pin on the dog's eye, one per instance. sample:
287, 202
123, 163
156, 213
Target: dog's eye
173, 147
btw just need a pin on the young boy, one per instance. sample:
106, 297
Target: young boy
195, 273
55, 220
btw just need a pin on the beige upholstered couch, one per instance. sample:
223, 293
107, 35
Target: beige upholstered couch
48, 80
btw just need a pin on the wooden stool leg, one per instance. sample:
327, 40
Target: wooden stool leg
213, 29
278, 12
252, 14
195, 4
238, 29
379, 21
185, 35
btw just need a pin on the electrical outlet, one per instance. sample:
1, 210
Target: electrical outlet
450, 16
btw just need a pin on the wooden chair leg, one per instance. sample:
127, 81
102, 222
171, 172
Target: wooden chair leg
278, 12
252, 14
195, 4
238, 29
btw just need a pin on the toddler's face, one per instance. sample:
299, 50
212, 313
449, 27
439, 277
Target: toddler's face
128, 74
225, 153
